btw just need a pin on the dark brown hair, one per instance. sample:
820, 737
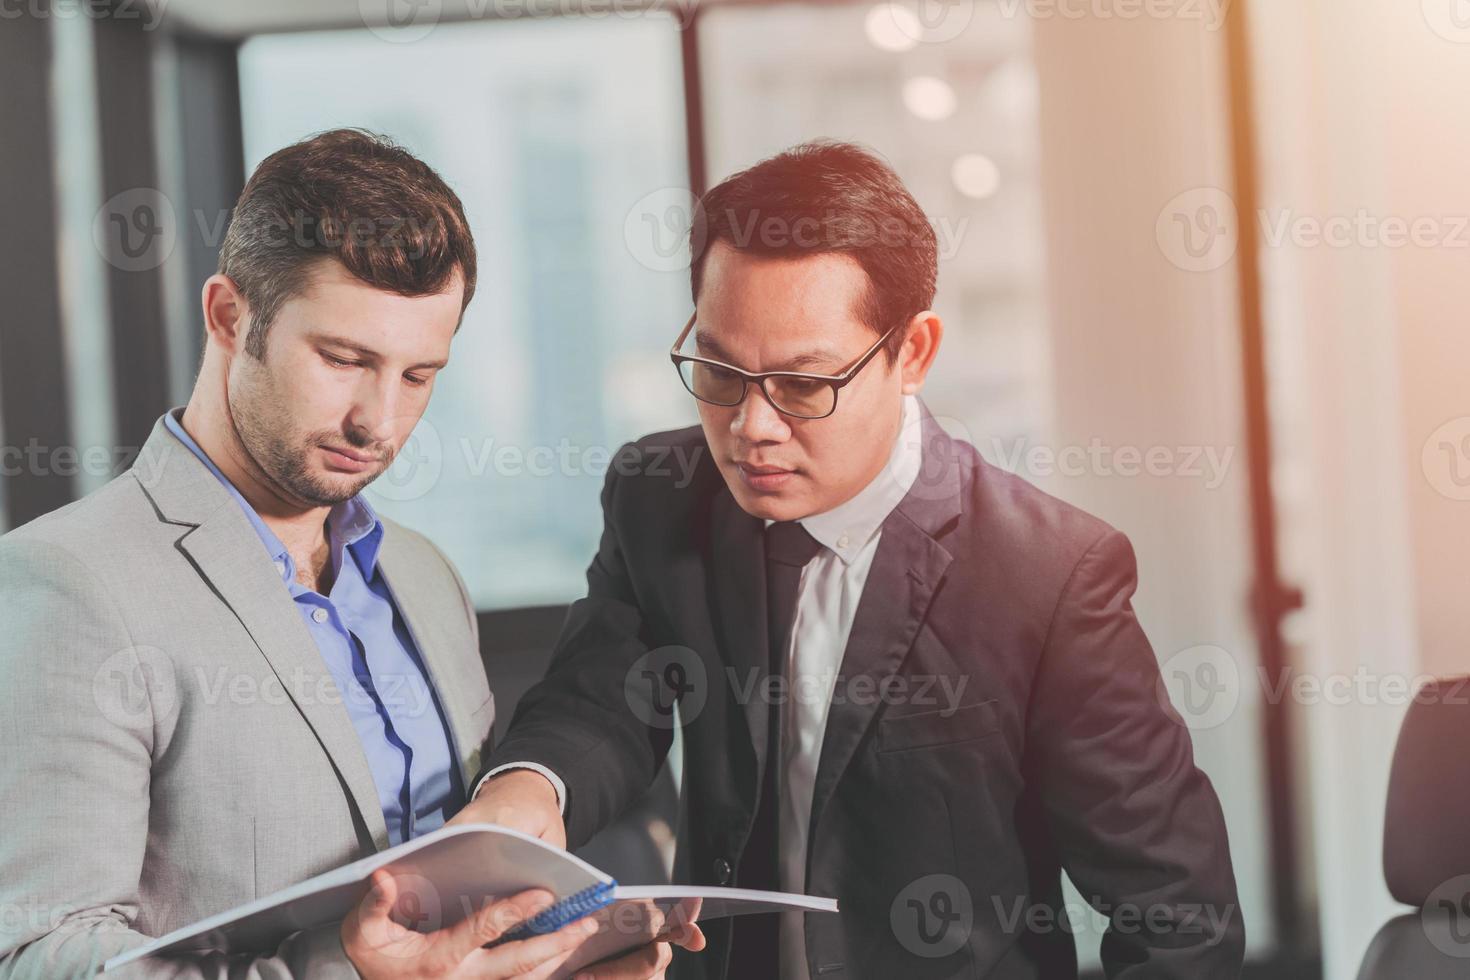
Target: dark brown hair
822, 197
350, 195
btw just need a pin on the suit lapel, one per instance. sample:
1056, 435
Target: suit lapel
229, 556
906, 572
738, 582
440, 650
907, 569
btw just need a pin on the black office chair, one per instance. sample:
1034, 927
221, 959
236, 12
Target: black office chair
1426, 842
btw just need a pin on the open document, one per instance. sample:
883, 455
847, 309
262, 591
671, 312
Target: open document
447, 875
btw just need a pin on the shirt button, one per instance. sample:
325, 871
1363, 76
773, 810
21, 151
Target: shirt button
722, 871
280, 568
319, 614
842, 541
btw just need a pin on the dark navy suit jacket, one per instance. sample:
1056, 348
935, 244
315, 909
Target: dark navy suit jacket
942, 833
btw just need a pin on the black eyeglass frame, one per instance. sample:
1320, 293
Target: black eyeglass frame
835, 381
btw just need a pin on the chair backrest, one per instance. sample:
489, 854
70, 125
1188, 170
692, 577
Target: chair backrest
1426, 842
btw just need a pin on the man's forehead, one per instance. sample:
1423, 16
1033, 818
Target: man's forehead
390, 331
797, 349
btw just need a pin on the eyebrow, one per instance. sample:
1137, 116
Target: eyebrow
710, 347
368, 354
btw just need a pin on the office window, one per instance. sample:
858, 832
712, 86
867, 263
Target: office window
952, 104
551, 131
85, 307
952, 107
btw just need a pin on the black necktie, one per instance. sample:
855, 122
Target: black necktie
756, 952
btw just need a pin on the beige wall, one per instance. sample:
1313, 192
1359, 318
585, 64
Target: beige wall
1358, 103
1145, 355
1426, 148
1361, 115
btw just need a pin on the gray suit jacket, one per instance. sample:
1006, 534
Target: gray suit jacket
174, 745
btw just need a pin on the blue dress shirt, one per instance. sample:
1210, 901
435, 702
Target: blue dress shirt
374, 662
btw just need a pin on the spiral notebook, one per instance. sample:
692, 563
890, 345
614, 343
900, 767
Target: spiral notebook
446, 875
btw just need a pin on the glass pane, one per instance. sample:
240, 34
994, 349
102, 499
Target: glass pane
952, 104
957, 120
552, 132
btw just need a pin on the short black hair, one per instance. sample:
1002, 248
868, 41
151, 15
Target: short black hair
828, 197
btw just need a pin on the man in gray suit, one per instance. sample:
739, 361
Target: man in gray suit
223, 672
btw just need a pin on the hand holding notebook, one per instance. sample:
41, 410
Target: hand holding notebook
449, 874
380, 940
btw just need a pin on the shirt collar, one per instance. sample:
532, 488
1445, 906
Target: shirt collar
847, 528
355, 525
352, 524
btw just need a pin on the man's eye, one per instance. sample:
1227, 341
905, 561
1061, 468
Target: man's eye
337, 361
415, 380
805, 387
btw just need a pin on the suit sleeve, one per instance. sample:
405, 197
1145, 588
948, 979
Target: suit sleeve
578, 721
79, 713
1138, 827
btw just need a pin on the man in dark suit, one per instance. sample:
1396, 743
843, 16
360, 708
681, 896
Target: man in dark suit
906, 679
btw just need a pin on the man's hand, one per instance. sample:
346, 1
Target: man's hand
651, 960
521, 799
525, 800
380, 947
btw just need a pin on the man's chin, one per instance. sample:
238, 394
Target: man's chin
770, 506
327, 489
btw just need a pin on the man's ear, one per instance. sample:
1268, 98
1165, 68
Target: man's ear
226, 314
920, 344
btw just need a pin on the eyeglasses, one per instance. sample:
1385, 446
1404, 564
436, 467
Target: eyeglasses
794, 393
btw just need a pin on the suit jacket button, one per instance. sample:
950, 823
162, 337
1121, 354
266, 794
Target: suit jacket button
722, 871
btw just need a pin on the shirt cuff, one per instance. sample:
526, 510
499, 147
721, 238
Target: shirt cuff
553, 778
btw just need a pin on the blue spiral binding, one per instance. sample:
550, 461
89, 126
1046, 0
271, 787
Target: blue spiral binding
569, 909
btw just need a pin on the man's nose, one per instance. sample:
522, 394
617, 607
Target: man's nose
757, 420
375, 414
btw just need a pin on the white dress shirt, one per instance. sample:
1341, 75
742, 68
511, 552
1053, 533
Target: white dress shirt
826, 603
